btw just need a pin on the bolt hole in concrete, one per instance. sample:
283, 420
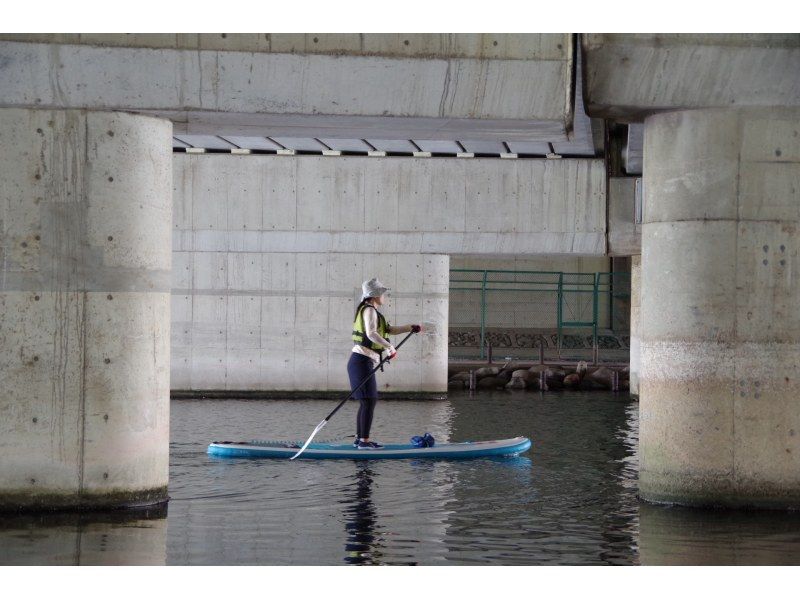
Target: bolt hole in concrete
109, 297
107, 360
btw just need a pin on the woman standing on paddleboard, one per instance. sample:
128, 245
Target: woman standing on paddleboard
371, 337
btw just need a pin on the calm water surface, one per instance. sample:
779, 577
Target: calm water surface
570, 500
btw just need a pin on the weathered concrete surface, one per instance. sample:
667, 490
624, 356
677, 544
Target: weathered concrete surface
235, 92
357, 204
720, 331
624, 235
630, 75
85, 212
251, 320
636, 315
505, 46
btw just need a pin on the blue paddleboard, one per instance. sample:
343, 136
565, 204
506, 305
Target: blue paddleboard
458, 450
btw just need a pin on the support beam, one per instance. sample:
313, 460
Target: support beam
630, 75
224, 92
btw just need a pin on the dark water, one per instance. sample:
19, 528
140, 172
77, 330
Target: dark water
570, 500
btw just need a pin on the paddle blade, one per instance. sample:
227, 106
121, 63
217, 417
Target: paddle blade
310, 438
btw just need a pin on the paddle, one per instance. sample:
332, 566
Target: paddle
344, 400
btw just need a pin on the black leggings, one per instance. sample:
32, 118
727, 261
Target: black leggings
364, 418
358, 368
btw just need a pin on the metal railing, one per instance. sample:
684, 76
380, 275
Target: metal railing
538, 302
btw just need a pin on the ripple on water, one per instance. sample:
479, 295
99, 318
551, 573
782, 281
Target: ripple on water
570, 500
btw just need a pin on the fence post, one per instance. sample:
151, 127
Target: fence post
483, 311
559, 310
595, 307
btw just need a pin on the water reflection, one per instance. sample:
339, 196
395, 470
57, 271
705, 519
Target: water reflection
125, 537
570, 500
682, 536
361, 547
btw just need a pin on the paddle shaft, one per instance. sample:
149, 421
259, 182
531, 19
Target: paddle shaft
339, 406
365, 380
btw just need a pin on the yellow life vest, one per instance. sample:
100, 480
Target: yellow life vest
359, 331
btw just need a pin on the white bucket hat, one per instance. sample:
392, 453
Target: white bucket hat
372, 288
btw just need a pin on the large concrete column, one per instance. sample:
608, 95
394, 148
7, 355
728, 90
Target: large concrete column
85, 215
720, 324
636, 298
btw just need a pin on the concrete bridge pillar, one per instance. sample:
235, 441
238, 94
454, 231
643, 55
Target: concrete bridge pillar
85, 225
720, 324
636, 299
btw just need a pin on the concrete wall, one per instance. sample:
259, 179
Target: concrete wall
630, 75
266, 244
234, 92
624, 235
283, 321
488, 207
85, 212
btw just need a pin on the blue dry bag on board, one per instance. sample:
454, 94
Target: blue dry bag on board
424, 441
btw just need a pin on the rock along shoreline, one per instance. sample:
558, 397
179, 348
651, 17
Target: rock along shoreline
581, 376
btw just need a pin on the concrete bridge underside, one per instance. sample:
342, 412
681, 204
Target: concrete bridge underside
84, 225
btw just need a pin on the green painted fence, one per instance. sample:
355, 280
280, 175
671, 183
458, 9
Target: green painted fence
559, 301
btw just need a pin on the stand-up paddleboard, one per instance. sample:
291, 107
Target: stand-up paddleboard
283, 450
